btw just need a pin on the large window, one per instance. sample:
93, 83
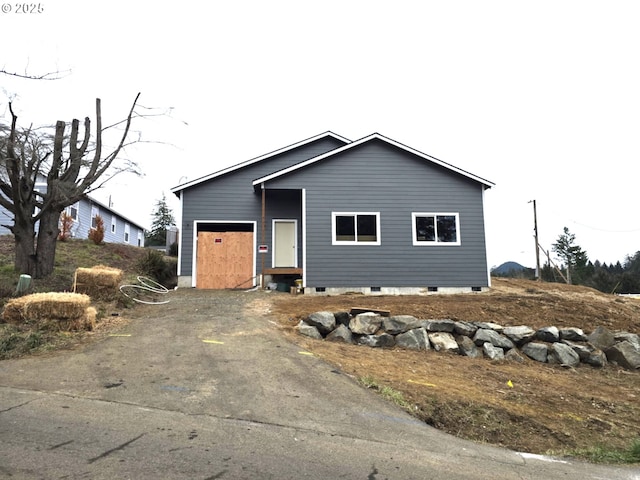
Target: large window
436, 228
351, 228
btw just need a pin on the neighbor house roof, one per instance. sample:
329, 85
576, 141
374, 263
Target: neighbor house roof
219, 173
374, 136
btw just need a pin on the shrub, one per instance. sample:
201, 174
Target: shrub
96, 234
66, 223
154, 265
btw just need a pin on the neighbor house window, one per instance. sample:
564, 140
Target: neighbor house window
95, 211
436, 228
113, 224
356, 228
126, 232
72, 211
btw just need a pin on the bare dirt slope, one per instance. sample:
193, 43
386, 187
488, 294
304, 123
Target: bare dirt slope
549, 409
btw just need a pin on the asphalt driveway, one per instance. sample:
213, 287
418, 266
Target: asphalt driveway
206, 387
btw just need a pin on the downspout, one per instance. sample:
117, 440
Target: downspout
263, 233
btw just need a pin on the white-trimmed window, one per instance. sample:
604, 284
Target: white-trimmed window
72, 211
127, 232
436, 228
355, 228
95, 211
113, 224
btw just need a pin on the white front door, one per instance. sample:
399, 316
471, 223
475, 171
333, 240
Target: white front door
284, 243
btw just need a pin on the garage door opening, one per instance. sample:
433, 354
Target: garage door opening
225, 255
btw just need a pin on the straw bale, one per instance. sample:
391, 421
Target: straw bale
12, 312
85, 322
100, 282
100, 275
55, 305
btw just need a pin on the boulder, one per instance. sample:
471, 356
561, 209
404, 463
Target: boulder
484, 335
439, 325
582, 349
493, 352
325, 322
562, 354
489, 326
629, 337
573, 334
342, 318
340, 334
465, 328
597, 358
309, 331
602, 338
400, 324
383, 340
366, 323
536, 351
624, 354
548, 334
514, 356
520, 334
415, 339
467, 347
443, 341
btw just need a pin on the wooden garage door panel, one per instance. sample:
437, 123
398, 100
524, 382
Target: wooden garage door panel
224, 260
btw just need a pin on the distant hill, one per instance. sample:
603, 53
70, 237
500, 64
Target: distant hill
508, 269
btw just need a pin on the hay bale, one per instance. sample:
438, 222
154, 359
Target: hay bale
12, 312
97, 281
55, 306
51, 311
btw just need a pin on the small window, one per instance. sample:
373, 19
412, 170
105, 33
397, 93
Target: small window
113, 224
72, 211
356, 228
436, 228
95, 211
126, 233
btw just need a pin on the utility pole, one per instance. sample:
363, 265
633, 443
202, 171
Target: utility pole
535, 231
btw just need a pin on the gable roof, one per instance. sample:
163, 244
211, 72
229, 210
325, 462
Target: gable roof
238, 166
373, 136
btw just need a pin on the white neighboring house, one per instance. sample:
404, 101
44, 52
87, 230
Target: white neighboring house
117, 228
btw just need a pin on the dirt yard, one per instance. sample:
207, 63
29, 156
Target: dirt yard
549, 409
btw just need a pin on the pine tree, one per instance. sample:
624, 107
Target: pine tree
574, 257
162, 219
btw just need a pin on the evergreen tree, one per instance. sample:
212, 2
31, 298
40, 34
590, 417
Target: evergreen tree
162, 219
575, 259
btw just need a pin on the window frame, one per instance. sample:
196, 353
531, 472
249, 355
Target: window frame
436, 242
95, 212
335, 241
113, 224
127, 233
69, 210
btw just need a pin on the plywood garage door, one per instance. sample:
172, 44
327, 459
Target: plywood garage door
224, 260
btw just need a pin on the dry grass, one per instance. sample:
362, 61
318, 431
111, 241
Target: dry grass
549, 409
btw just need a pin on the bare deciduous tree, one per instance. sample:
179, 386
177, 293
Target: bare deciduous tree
71, 165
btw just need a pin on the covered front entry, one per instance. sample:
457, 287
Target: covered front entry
225, 260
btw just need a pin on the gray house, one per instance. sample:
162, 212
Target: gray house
371, 216
117, 228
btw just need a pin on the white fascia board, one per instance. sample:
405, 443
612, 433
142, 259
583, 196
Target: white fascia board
257, 159
486, 183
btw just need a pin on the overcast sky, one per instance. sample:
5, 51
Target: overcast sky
542, 98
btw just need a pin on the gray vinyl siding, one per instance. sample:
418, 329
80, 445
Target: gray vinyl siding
231, 197
377, 177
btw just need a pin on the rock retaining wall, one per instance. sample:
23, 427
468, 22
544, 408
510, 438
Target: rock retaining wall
564, 346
